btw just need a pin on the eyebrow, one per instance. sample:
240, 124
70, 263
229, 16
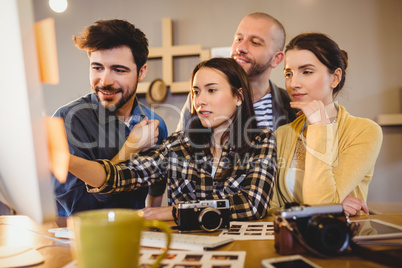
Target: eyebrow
207, 85
258, 38
115, 66
301, 67
306, 65
211, 84
252, 37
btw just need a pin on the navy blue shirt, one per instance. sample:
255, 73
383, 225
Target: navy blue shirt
94, 132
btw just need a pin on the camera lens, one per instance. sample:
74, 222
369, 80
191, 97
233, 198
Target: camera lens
210, 219
327, 234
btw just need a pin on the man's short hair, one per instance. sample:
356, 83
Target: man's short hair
108, 34
279, 33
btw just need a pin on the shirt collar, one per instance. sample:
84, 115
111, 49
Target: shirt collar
137, 115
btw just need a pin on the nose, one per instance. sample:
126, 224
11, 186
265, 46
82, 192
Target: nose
294, 82
200, 100
106, 78
241, 47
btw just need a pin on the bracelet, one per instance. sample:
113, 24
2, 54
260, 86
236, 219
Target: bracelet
174, 214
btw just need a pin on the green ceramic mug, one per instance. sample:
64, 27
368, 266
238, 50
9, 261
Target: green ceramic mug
111, 237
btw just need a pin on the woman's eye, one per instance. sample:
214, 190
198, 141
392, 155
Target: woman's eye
211, 90
288, 75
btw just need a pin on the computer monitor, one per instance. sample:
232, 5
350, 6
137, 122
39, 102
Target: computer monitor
25, 177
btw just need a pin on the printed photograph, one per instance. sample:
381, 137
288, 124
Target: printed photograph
224, 257
189, 258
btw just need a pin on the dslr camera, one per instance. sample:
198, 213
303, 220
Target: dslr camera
322, 230
207, 215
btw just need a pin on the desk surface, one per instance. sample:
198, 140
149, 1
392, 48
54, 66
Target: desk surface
20, 230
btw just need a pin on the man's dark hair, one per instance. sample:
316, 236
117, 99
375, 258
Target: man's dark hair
108, 34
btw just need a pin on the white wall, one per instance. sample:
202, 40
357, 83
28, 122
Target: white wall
369, 30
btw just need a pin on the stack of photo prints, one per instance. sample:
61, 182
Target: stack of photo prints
250, 231
194, 259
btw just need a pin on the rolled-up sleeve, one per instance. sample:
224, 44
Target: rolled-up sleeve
141, 171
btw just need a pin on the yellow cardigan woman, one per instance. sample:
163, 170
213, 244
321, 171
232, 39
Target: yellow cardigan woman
326, 155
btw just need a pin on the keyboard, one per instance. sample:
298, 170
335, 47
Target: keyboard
183, 241
158, 239
62, 232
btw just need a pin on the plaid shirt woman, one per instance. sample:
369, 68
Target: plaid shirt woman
222, 155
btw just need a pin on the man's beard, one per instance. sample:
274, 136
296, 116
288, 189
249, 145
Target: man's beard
124, 99
257, 69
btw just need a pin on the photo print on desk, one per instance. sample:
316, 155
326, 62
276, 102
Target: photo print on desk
194, 259
250, 231
189, 259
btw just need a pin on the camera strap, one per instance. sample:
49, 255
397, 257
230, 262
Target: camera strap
389, 256
174, 214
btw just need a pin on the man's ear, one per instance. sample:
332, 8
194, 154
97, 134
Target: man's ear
277, 59
142, 73
336, 77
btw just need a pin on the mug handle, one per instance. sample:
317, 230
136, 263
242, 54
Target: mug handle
163, 226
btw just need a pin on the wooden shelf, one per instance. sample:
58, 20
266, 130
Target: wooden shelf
389, 119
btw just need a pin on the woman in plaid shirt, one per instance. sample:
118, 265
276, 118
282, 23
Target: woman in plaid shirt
223, 155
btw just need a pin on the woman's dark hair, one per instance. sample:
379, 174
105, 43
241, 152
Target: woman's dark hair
242, 130
326, 50
108, 34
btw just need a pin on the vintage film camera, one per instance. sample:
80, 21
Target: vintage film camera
322, 230
208, 215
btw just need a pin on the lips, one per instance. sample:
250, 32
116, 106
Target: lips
298, 95
107, 92
204, 113
241, 60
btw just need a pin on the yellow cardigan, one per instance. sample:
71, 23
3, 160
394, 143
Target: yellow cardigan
340, 159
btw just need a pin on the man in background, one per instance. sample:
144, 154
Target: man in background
99, 123
258, 47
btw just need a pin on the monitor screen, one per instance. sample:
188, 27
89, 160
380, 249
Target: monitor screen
25, 177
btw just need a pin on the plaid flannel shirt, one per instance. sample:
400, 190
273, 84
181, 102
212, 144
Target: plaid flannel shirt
248, 187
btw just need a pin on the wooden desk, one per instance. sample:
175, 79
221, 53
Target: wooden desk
20, 230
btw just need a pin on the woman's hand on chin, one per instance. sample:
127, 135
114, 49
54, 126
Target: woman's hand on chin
314, 111
158, 213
